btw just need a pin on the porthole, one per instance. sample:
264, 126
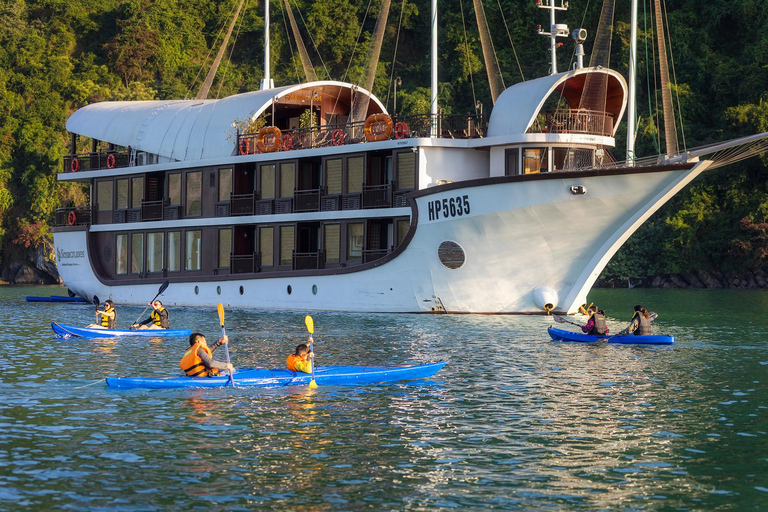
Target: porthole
451, 255
314, 289
197, 290
218, 290
242, 290
289, 289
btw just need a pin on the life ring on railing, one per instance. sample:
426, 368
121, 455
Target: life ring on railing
74, 165
338, 137
269, 139
378, 127
71, 218
401, 130
111, 161
245, 146
288, 142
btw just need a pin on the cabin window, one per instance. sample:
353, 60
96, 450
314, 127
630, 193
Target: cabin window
174, 188
137, 253
121, 260
512, 162
332, 242
225, 247
355, 173
174, 251
287, 243
287, 179
534, 160
104, 190
154, 252
406, 171
267, 181
267, 246
225, 185
354, 241
333, 169
193, 250
137, 192
402, 230
121, 202
560, 159
194, 194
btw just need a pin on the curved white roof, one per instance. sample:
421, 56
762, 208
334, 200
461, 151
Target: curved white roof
517, 107
188, 129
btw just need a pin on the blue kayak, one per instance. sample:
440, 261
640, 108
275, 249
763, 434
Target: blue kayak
324, 376
628, 339
72, 331
57, 298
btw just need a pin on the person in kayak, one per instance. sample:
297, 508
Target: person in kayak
301, 360
158, 319
641, 322
595, 325
198, 360
108, 317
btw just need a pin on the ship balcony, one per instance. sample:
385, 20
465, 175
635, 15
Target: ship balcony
96, 161
581, 121
73, 216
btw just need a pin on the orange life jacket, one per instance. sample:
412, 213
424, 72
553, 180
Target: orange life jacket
291, 362
193, 366
298, 364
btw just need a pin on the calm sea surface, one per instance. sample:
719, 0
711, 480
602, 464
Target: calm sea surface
514, 421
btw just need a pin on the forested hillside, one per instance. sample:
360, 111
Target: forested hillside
58, 55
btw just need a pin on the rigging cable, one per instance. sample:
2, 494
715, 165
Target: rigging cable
290, 46
394, 56
519, 67
674, 75
229, 58
357, 41
653, 119
469, 61
314, 45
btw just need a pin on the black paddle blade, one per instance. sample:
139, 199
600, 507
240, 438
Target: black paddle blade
96, 301
163, 287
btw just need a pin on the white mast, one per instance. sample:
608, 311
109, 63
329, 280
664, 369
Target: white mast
266, 82
433, 99
555, 30
631, 106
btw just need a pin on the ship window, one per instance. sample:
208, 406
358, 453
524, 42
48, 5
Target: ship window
267, 178
104, 191
355, 168
333, 176
225, 184
174, 251
406, 171
193, 249
154, 252
121, 261
331, 238
286, 245
559, 156
287, 179
174, 188
225, 247
512, 162
534, 160
402, 230
354, 241
194, 194
122, 195
137, 253
267, 246
137, 192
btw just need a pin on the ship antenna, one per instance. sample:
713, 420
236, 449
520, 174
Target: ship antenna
631, 105
266, 82
555, 29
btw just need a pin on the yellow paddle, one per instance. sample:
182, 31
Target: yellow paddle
311, 328
226, 345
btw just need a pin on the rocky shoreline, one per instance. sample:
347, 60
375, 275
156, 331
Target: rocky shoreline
38, 267
697, 279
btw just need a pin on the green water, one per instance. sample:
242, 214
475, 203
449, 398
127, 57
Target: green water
514, 421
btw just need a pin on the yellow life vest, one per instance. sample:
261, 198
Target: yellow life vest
193, 366
155, 315
107, 321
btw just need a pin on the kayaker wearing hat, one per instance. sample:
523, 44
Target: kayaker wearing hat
158, 319
198, 360
301, 360
108, 316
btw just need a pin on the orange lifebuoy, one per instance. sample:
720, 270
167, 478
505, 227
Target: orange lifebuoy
245, 146
71, 218
378, 127
74, 165
401, 130
111, 161
338, 137
269, 139
287, 142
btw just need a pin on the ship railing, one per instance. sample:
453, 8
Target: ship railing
73, 216
374, 254
151, 210
307, 260
241, 204
584, 121
377, 196
94, 161
306, 200
242, 263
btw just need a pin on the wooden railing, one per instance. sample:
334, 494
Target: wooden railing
574, 121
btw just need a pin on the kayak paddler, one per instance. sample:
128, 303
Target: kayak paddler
640, 325
198, 360
300, 360
158, 319
596, 325
108, 316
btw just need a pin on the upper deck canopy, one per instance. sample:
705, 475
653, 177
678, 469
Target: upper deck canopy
517, 107
179, 130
